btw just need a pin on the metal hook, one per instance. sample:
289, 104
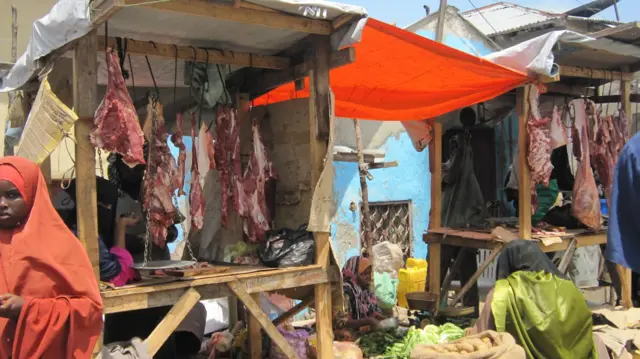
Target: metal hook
154, 45
193, 66
202, 87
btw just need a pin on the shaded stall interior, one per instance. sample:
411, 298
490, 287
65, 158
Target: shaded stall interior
592, 71
260, 47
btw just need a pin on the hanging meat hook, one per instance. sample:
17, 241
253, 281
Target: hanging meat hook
203, 86
175, 75
193, 66
157, 97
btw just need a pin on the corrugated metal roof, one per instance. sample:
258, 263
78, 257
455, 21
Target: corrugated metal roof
502, 16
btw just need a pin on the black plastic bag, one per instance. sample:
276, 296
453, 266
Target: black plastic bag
288, 248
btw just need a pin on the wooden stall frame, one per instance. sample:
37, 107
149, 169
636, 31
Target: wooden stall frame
435, 240
183, 295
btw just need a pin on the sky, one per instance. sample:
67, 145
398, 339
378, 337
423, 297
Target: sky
406, 12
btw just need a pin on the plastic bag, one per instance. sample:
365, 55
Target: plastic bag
288, 248
386, 290
346, 350
387, 258
298, 339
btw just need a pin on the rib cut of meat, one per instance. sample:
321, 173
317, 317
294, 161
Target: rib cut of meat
176, 139
257, 219
539, 144
586, 202
227, 158
196, 198
160, 182
117, 128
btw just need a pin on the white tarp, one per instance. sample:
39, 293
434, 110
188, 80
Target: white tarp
535, 56
69, 20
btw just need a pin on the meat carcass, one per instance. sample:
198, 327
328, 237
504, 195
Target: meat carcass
117, 128
160, 181
206, 153
211, 152
196, 198
176, 139
603, 158
586, 201
557, 131
256, 219
539, 151
227, 158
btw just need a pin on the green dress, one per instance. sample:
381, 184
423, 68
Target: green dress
548, 316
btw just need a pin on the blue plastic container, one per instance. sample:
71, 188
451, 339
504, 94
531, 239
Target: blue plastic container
604, 209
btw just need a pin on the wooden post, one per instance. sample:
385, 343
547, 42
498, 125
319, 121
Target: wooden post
524, 176
8, 149
319, 112
441, 19
625, 273
85, 99
255, 332
362, 170
435, 165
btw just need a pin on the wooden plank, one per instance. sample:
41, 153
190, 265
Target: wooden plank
378, 165
434, 257
186, 53
625, 96
474, 278
241, 15
353, 157
597, 74
625, 281
634, 98
453, 270
171, 321
342, 20
435, 165
554, 88
612, 31
255, 333
294, 311
102, 10
267, 81
548, 79
524, 176
568, 254
85, 100
320, 88
255, 310
364, 191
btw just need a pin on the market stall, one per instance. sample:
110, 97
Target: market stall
278, 36
573, 78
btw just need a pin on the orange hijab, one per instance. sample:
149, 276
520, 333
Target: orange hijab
46, 265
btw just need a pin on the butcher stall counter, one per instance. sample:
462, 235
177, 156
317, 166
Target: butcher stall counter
495, 241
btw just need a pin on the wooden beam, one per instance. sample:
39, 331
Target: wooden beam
255, 310
634, 98
270, 80
102, 10
474, 278
342, 20
615, 30
171, 321
85, 100
548, 79
364, 191
587, 73
378, 165
241, 15
562, 89
435, 166
214, 56
625, 98
524, 176
255, 333
442, 14
294, 311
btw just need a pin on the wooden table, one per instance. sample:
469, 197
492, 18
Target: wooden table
244, 282
570, 240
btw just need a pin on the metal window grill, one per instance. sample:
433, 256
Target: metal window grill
391, 221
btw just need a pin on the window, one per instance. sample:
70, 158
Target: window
390, 221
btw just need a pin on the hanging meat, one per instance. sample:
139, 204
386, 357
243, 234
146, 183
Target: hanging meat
257, 219
603, 158
227, 158
117, 128
585, 200
211, 152
160, 179
539, 154
557, 130
206, 161
196, 198
176, 139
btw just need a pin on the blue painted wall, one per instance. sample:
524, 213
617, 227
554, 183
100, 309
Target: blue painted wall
407, 182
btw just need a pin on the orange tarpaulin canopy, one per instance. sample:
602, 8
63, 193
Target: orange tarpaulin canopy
401, 76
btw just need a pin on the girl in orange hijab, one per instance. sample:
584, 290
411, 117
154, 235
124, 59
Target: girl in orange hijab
51, 305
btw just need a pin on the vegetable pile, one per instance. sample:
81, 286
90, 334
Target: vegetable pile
464, 346
430, 335
375, 343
